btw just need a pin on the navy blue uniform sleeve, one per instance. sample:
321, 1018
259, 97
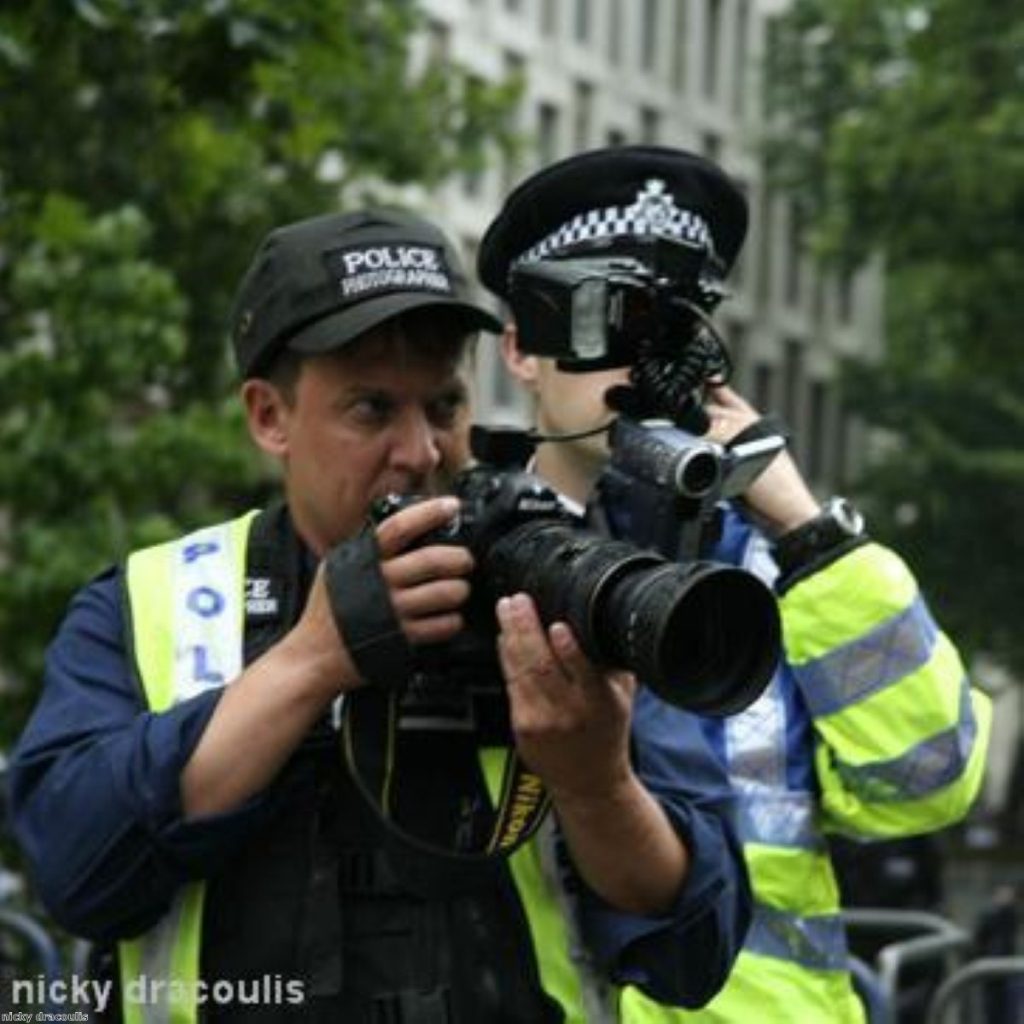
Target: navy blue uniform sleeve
683, 958
94, 783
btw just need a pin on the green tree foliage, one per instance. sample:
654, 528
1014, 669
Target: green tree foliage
905, 132
145, 147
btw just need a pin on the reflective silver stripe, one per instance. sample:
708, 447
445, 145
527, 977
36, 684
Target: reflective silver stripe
924, 769
816, 942
755, 743
156, 963
887, 654
775, 818
755, 751
598, 996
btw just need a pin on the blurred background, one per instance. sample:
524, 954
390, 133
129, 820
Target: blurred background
146, 146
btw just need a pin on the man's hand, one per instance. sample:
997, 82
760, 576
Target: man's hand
571, 723
779, 497
427, 586
570, 720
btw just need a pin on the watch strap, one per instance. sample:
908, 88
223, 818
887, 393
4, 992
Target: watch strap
837, 529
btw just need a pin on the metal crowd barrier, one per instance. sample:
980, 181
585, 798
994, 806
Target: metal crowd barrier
929, 938
984, 969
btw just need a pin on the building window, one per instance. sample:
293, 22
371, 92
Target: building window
740, 62
616, 137
792, 382
649, 36
736, 343
712, 41
738, 272
680, 40
513, 6
841, 449
549, 18
547, 132
794, 255
817, 432
846, 288
650, 125
583, 109
764, 222
515, 70
614, 32
764, 387
473, 177
438, 42
711, 146
581, 21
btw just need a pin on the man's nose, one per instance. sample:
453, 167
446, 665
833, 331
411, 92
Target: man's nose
416, 446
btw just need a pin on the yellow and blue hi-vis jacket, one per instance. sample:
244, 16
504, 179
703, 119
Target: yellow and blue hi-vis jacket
870, 729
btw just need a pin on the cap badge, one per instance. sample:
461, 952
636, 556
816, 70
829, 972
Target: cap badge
653, 206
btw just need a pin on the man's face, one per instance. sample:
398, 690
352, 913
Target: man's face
388, 413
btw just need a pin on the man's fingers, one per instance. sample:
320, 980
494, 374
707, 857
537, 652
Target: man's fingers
425, 565
430, 598
397, 532
529, 653
433, 630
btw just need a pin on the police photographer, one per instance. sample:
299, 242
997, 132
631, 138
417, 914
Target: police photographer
179, 790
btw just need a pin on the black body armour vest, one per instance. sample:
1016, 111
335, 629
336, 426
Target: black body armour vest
313, 896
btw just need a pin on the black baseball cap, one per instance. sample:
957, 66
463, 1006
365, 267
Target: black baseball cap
320, 283
618, 194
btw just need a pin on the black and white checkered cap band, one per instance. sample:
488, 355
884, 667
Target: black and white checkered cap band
652, 214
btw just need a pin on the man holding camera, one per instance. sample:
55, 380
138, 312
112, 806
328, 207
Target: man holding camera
181, 791
869, 727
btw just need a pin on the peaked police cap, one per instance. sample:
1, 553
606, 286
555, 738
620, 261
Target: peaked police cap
616, 194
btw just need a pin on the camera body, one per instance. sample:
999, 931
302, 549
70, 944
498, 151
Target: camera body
702, 635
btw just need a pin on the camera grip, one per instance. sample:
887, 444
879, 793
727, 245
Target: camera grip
365, 617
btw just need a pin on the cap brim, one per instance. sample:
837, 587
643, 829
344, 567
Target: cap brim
346, 325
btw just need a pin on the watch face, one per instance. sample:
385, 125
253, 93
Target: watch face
846, 517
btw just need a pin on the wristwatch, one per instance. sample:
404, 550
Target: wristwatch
837, 523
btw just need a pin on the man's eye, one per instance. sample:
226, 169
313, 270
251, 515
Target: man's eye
372, 408
445, 411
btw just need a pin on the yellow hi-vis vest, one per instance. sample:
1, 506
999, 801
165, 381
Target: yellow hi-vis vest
899, 744
186, 603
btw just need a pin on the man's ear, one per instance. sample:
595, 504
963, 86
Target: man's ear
266, 414
523, 367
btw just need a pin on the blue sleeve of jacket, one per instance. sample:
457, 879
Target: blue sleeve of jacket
94, 779
684, 957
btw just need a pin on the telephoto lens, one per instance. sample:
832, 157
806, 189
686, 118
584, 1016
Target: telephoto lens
703, 636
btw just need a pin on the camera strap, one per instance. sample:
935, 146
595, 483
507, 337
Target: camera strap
364, 614
459, 855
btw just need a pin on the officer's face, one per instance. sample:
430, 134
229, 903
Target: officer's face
389, 413
566, 403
